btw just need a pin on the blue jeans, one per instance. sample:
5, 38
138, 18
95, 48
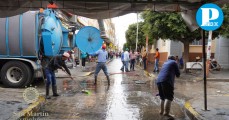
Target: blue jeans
132, 62
156, 65
51, 78
122, 68
126, 64
99, 66
144, 63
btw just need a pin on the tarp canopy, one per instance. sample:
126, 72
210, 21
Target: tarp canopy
103, 9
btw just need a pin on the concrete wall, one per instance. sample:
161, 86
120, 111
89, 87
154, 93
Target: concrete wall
175, 48
163, 45
222, 52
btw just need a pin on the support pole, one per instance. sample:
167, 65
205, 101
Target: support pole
204, 64
137, 35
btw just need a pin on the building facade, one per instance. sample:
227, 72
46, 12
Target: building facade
219, 50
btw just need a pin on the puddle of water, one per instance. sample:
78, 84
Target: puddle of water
118, 108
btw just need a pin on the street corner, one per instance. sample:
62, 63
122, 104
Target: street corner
191, 112
32, 110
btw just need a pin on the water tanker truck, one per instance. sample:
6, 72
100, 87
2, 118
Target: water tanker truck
24, 40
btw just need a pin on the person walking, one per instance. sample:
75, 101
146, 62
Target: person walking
57, 62
177, 61
122, 59
181, 62
101, 64
83, 56
126, 59
73, 58
157, 57
132, 60
165, 84
144, 58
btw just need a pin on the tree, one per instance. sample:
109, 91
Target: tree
131, 36
125, 46
168, 25
224, 29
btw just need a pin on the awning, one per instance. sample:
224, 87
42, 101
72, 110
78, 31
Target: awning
101, 9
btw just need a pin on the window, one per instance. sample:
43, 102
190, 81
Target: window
199, 42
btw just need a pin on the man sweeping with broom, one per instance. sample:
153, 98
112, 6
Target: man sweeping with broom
57, 62
165, 84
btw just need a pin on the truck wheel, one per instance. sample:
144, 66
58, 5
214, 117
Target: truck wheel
29, 81
15, 74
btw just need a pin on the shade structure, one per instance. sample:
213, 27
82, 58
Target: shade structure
88, 39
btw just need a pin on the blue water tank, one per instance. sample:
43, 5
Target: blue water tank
51, 33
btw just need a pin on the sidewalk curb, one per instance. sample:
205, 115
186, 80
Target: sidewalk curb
218, 79
191, 113
33, 108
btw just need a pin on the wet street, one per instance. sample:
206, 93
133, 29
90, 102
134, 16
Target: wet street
131, 96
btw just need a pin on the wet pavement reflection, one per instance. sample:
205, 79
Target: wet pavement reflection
118, 108
131, 96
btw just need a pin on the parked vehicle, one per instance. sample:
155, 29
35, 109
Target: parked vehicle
25, 39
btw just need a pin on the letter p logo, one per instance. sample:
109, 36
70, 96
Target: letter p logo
209, 17
206, 18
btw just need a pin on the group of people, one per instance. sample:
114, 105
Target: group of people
165, 79
127, 57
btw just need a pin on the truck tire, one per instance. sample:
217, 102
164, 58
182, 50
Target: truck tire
30, 81
15, 74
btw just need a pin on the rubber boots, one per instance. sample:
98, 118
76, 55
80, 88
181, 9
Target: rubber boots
47, 93
167, 109
54, 90
95, 80
108, 80
162, 107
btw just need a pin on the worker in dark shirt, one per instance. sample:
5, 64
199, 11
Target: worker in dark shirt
57, 62
165, 83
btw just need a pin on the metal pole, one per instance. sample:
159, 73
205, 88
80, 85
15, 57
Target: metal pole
137, 35
204, 64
